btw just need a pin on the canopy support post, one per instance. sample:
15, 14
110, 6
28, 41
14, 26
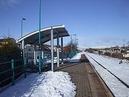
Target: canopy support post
58, 57
52, 47
61, 50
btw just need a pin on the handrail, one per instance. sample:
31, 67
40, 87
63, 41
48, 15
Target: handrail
9, 61
5, 62
12, 71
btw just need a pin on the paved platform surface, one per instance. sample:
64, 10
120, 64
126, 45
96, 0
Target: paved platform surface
87, 82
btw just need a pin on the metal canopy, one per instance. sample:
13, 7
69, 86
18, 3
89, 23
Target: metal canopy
32, 38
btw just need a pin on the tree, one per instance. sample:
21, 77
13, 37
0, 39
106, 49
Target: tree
70, 49
9, 49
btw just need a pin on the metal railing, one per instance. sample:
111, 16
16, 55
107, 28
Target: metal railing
10, 71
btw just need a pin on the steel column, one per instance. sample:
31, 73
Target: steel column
24, 59
58, 57
42, 54
52, 47
34, 57
62, 50
13, 73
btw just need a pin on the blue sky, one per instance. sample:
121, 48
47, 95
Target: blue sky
97, 23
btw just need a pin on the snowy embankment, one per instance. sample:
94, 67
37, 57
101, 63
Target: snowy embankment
48, 84
77, 57
119, 70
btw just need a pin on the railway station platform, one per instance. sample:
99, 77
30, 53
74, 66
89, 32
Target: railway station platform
86, 79
87, 82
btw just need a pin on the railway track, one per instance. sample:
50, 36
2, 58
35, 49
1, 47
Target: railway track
124, 83
110, 72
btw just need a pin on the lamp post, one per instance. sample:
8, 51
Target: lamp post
23, 46
22, 20
39, 37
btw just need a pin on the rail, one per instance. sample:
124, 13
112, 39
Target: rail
124, 83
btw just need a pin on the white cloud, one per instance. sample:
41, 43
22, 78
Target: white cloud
102, 41
9, 3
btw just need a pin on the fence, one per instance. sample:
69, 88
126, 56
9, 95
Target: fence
10, 71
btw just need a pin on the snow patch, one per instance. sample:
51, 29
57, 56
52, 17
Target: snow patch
48, 84
77, 56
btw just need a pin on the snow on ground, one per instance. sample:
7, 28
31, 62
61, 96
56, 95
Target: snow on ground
76, 58
48, 84
120, 70
112, 64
